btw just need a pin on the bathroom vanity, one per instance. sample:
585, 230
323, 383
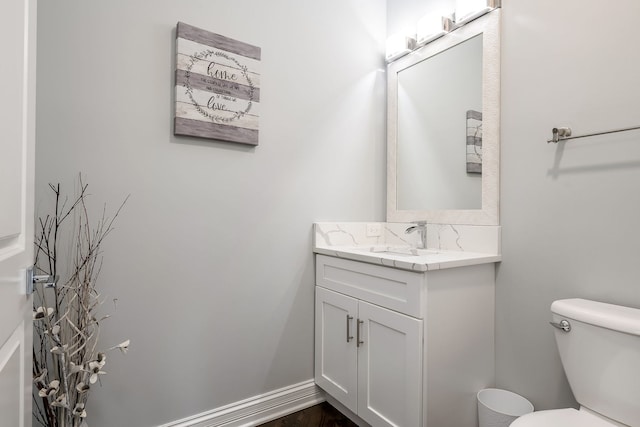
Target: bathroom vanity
403, 337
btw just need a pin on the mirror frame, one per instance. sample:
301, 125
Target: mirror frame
489, 26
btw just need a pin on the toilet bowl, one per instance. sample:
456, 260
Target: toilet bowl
599, 346
568, 417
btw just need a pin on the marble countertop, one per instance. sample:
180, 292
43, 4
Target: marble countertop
449, 246
403, 258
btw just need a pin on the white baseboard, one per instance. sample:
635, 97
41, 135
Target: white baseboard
258, 409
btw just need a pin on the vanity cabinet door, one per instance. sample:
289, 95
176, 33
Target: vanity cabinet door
336, 352
389, 367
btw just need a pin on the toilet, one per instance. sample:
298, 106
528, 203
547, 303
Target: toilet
599, 346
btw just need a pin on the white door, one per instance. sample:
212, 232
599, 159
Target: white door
17, 143
336, 352
389, 368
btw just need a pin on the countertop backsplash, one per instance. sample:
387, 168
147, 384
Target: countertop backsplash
464, 238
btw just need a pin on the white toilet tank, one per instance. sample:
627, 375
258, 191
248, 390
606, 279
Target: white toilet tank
601, 356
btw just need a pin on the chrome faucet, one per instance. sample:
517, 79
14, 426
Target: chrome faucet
420, 227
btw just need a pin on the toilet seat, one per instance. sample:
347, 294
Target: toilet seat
568, 417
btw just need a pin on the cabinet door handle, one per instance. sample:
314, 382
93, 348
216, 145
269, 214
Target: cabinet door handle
358, 342
349, 319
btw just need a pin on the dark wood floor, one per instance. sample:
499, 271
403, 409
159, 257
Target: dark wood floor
322, 415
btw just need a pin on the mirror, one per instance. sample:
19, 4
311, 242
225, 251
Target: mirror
429, 135
443, 129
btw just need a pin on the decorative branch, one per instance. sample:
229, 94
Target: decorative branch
66, 361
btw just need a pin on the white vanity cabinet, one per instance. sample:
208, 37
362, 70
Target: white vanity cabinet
404, 348
369, 358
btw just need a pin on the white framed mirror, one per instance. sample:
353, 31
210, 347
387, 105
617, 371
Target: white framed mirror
443, 128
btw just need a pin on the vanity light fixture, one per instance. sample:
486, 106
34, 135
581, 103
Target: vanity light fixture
432, 26
429, 28
467, 10
399, 45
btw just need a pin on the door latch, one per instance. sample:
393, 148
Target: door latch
32, 279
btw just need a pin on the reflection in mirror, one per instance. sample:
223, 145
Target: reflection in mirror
443, 128
435, 96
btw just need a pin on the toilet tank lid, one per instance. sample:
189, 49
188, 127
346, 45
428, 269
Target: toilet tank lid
610, 316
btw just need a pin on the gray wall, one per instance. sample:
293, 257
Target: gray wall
211, 258
569, 211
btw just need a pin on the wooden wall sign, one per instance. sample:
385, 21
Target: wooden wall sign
217, 86
474, 141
